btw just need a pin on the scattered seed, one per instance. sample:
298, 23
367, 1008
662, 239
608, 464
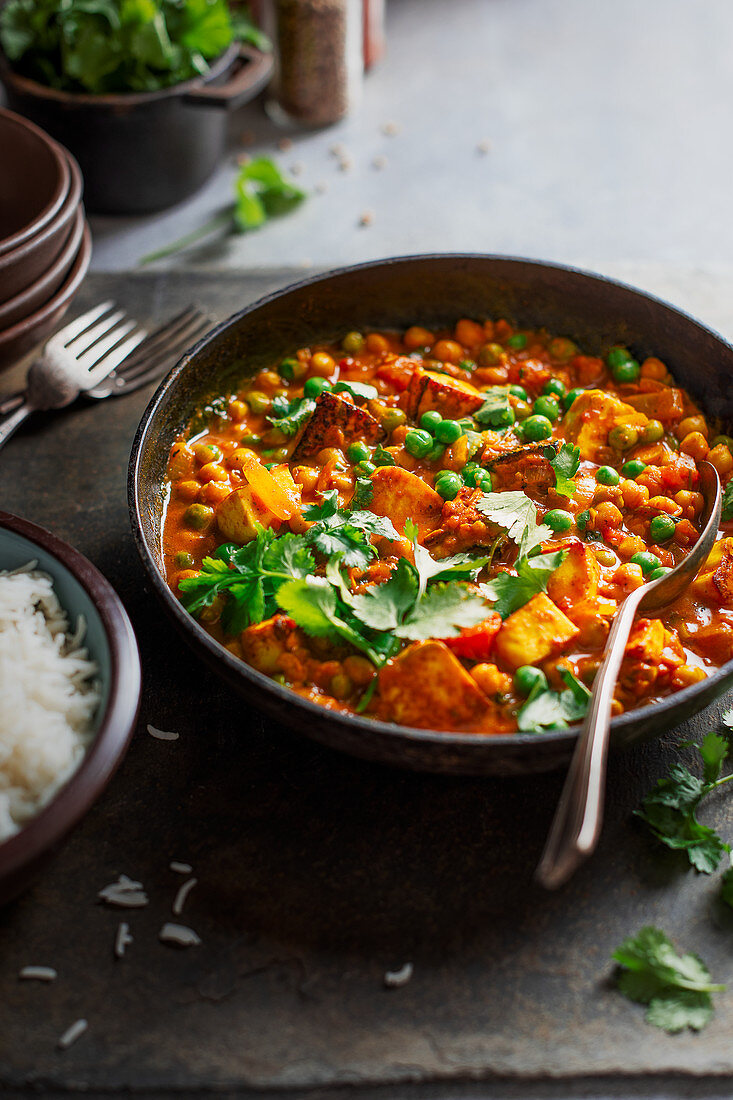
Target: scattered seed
367, 217
379, 162
337, 150
178, 934
124, 893
181, 868
393, 979
321, 187
72, 1034
161, 735
182, 894
123, 939
345, 164
285, 143
298, 168
390, 129
483, 147
243, 158
39, 973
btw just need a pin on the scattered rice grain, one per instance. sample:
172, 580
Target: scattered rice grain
393, 979
162, 735
321, 187
483, 147
39, 973
181, 868
379, 162
125, 893
182, 895
123, 938
390, 129
178, 934
71, 1034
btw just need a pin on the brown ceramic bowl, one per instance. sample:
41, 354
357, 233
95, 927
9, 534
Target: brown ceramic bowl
26, 334
23, 265
82, 590
33, 192
40, 292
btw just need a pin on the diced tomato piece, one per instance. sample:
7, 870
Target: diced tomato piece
476, 642
680, 473
530, 373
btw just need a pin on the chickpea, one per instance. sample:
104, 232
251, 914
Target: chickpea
628, 577
491, 680
332, 454
269, 381
692, 424
376, 343
634, 495
721, 459
180, 464
417, 337
690, 504
185, 574
360, 670
469, 333
688, 674
632, 544
654, 368
604, 556
695, 445
206, 452
215, 492
242, 456
608, 515
322, 364
212, 471
307, 476
448, 351
188, 490
237, 410
341, 686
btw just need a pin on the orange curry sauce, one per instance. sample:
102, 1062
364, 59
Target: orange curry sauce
639, 438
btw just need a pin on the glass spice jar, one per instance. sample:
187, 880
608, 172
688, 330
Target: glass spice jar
319, 63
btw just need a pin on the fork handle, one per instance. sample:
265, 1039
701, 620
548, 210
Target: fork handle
579, 815
13, 421
12, 401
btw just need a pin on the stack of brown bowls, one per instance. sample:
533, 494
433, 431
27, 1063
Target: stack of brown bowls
45, 243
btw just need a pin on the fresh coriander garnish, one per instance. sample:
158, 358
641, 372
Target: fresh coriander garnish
670, 809
676, 987
518, 515
357, 389
345, 532
727, 512
565, 463
382, 457
548, 709
289, 416
363, 493
495, 407
511, 593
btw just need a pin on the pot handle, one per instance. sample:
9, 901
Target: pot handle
252, 71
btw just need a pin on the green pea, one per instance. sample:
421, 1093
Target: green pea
558, 520
626, 372
623, 437
554, 388
633, 467
662, 528
448, 485
604, 556
606, 475
435, 454
490, 355
647, 561
198, 516
562, 348
448, 431
657, 574
393, 418
518, 391
618, 355
353, 342
582, 520
430, 420
467, 364
522, 409
527, 678
484, 482
315, 386
536, 428
291, 369
547, 406
653, 432
183, 560
358, 451
572, 396
467, 423
258, 402
365, 468
418, 442
470, 473
517, 341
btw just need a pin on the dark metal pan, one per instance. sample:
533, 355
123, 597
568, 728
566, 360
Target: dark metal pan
396, 293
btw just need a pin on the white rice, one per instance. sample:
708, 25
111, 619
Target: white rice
48, 692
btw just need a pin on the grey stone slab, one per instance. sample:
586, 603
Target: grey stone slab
317, 873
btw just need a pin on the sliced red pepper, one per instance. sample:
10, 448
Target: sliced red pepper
476, 642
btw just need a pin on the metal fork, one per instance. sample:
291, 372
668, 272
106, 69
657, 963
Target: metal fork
95, 360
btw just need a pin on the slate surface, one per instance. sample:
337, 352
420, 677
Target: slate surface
317, 873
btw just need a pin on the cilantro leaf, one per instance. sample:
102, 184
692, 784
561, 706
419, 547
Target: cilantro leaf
565, 463
329, 507
345, 533
384, 606
363, 492
495, 407
312, 602
511, 593
261, 191
670, 808
442, 611
289, 416
676, 987
356, 389
383, 457
727, 719
727, 512
289, 555
467, 566
548, 709
518, 515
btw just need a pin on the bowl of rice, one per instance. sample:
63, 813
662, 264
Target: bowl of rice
69, 692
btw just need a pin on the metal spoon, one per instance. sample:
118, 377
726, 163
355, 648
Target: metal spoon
579, 815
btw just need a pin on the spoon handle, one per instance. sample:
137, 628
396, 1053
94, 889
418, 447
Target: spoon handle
579, 815
13, 421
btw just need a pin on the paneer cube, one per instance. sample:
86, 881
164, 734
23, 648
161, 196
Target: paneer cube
427, 687
647, 641
591, 417
576, 579
336, 422
534, 632
238, 513
666, 404
451, 397
401, 495
524, 468
714, 583
263, 644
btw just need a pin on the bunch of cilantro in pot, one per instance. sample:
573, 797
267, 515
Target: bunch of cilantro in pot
117, 46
